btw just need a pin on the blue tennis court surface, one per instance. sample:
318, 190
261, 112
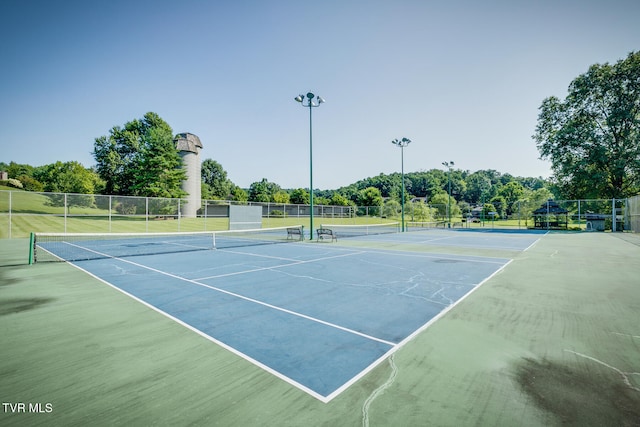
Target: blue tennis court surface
478, 238
316, 315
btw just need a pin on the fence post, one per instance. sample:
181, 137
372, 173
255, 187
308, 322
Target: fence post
10, 213
206, 205
65, 212
579, 218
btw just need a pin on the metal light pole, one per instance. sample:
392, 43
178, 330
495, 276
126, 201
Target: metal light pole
449, 165
402, 143
310, 103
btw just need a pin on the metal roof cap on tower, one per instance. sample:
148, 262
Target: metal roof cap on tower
187, 142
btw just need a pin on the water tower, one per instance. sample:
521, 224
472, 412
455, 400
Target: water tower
188, 146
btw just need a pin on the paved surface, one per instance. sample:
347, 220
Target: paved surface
553, 339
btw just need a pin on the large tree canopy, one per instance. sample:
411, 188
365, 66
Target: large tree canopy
215, 177
263, 191
68, 177
140, 159
592, 138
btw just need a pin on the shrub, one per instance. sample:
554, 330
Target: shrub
126, 208
11, 182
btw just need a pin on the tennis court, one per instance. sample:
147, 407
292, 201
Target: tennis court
441, 327
318, 316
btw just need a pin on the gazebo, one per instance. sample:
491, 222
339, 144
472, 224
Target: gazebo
550, 215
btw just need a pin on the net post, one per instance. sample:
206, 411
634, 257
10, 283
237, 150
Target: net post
32, 241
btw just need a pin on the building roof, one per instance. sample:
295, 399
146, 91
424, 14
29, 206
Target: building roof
550, 207
187, 142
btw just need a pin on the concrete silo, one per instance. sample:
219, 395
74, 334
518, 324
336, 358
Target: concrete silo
189, 145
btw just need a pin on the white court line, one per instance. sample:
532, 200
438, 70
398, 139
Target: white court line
413, 335
466, 258
275, 307
325, 399
360, 250
233, 350
277, 266
458, 245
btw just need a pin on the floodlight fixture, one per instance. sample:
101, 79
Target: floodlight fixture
402, 143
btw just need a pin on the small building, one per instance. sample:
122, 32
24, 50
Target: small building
596, 222
551, 216
4, 176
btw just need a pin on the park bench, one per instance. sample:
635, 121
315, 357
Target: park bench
326, 233
294, 232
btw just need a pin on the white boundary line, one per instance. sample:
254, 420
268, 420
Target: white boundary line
277, 374
412, 336
394, 346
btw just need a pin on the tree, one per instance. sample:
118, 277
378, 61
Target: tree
426, 184
440, 202
478, 187
215, 177
140, 159
30, 184
511, 193
159, 172
458, 184
68, 177
391, 208
338, 199
238, 194
117, 156
489, 211
299, 196
14, 170
281, 196
420, 211
321, 201
263, 191
500, 205
370, 197
592, 138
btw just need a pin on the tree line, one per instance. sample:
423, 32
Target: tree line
471, 187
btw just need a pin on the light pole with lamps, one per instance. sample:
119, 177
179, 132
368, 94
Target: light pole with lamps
402, 143
449, 165
310, 103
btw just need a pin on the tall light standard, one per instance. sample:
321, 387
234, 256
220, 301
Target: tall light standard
402, 143
310, 103
449, 165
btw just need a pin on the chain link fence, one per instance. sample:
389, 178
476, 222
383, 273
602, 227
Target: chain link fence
23, 212
586, 215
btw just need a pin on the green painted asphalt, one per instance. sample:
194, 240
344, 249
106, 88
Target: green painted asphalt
553, 339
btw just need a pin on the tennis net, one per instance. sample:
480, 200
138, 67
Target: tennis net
355, 230
87, 246
423, 225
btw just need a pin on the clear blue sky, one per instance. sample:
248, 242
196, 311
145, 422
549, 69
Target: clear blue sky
462, 79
